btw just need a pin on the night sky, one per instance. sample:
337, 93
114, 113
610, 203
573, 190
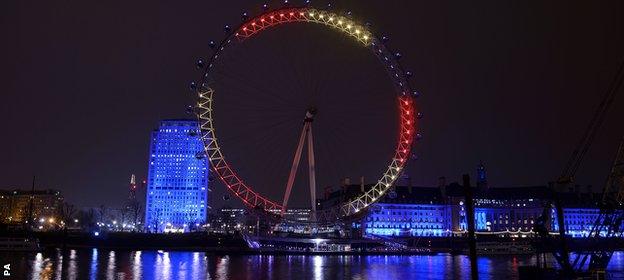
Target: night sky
510, 83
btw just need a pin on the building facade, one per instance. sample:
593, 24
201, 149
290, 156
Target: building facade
440, 211
177, 183
391, 219
15, 205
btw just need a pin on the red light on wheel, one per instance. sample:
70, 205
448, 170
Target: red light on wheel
403, 150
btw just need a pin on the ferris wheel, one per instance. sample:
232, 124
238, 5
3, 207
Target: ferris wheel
403, 97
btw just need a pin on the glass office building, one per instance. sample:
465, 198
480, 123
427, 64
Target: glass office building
177, 184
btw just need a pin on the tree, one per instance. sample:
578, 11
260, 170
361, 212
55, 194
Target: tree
87, 220
66, 213
102, 212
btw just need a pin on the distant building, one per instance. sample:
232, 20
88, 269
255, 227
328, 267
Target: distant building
15, 205
177, 183
481, 177
295, 214
440, 211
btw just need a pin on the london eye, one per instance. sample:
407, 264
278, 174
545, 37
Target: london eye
220, 83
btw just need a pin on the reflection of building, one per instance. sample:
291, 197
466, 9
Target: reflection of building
15, 205
176, 196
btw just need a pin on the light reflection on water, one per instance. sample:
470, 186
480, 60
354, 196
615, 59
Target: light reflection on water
108, 264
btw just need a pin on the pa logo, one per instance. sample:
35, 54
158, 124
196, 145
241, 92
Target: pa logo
6, 270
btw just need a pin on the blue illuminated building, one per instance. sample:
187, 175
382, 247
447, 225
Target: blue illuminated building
177, 181
408, 220
410, 211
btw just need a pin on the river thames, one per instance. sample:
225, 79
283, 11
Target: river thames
109, 264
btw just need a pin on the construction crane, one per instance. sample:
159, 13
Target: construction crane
609, 219
608, 224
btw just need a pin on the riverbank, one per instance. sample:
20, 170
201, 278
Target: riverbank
228, 244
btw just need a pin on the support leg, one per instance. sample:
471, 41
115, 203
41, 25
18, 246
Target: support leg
312, 172
295, 166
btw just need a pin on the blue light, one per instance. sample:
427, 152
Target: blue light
177, 179
480, 220
96, 234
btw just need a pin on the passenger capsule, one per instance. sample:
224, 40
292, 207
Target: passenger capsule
392, 194
193, 86
190, 110
212, 44
200, 63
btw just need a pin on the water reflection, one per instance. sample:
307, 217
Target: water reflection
137, 265
94, 264
37, 264
222, 267
106, 264
72, 272
317, 261
110, 268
